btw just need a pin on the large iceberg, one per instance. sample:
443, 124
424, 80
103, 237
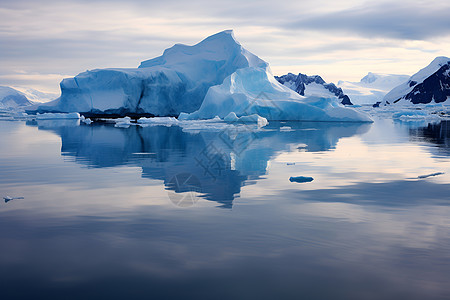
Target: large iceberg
216, 77
167, 85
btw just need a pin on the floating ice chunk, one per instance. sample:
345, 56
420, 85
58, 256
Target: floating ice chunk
126, 120
430, 175
254, 118
165, 121
301, 179
9, 198
414, 115
86, 120
231, 117
123, 122
285, 128
56, 116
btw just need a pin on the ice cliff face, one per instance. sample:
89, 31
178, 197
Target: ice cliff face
429, 85
175, 82
312, 86
11, 98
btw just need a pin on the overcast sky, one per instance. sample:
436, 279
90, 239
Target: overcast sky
43, 41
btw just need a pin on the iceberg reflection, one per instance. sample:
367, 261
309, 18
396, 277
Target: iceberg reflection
222, 161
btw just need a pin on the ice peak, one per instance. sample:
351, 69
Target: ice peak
229, 33
369, 78
219, 47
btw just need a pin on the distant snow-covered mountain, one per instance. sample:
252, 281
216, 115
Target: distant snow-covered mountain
11, 98
429, 85
371, 88
35, 95
313, 86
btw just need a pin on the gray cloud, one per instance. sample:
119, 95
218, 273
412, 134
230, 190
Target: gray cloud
403, 20
67, 37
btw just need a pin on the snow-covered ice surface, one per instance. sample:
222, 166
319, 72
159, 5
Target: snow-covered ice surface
216, 77
415, 87
372, 88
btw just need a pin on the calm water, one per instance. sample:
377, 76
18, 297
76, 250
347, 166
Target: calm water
182, 213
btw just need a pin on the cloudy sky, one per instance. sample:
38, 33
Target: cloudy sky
43, 41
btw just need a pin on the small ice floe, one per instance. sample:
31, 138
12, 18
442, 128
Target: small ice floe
85, 120
430, 175
301, 179
58, 116
415, 115
8, 198
162, 121
286, 128
254, 118
123, 122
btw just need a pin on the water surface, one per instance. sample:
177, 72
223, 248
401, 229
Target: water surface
181, 213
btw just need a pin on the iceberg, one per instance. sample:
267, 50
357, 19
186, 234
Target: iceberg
167, 85
216, 77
